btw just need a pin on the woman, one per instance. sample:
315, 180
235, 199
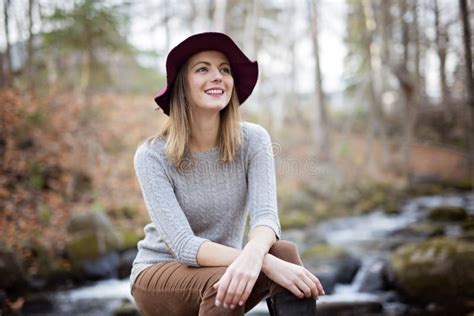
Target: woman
200, 177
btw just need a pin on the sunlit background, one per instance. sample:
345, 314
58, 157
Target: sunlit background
369, 105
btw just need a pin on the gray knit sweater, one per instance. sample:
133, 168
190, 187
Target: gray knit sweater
209, 202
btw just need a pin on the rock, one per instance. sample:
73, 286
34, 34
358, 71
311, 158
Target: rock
129, 239
38, 304
437, 270
348, 308
10, 271
126, 309
421, 230
125, 262
447, 213
94, 245
371, 276
295, 219
89, 222
331, 264
101, 268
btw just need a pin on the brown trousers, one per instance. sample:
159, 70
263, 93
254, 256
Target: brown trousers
172, 288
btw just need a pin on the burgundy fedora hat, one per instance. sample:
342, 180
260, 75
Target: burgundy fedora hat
244, 71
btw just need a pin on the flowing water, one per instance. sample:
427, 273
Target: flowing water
363, 236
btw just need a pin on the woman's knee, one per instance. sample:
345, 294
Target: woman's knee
286, 250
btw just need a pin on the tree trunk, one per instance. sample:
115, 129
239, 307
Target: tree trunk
8, 58
377, 119
166, 22
442, 46
219, 16
250, 28
408, 87
29, 60
464, 10
322, 125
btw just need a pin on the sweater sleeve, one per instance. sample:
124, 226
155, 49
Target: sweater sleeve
261, 181
163, 207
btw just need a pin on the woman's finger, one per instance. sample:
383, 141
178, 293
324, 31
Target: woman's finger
301, 284
246, 292
318, 283
222, 289
231, 291
238, 293
295, 290
312, 285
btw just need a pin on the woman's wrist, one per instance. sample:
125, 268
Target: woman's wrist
268, 262
255, 248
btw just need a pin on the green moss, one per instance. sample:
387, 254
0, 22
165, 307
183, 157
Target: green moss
126, 309
125, 212
447, 213
129, 239
85, 247
438, 269
323, 252
425, 229
295, 219
468, 225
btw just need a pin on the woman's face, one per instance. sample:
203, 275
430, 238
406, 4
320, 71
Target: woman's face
210, 80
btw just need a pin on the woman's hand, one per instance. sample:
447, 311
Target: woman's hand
235, 286
295, 278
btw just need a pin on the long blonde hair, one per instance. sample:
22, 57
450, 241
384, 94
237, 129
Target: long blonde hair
177, 128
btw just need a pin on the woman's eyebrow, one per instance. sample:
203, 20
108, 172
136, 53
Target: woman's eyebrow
208, 64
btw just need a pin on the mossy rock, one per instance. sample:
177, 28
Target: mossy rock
296, 199
93, 235
126, 309
91, 246
462, 185
295, 219
438, 269
130, 238
424, 229
468, 225
447, 213
324, 252
125, 212
93, 221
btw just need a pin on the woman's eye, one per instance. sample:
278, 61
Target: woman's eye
226, 70
202, 69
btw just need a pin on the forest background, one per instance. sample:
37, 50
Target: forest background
367, 102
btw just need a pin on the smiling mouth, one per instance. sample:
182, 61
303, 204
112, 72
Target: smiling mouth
215, 92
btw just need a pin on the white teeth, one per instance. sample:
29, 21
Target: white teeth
214, 92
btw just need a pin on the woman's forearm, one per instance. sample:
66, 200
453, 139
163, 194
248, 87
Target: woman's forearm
263, 237
212, 254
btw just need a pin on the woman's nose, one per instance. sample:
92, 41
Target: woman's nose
216, 75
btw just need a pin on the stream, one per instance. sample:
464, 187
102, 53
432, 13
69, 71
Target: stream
362, 236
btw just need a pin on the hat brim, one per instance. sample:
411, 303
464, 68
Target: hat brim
244, 71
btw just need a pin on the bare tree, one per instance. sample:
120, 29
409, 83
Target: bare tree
29, 58
250, 27
322, 126
8, 58
464, 11
442, 48
419, 50
377, 117
408, 87
219, 17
